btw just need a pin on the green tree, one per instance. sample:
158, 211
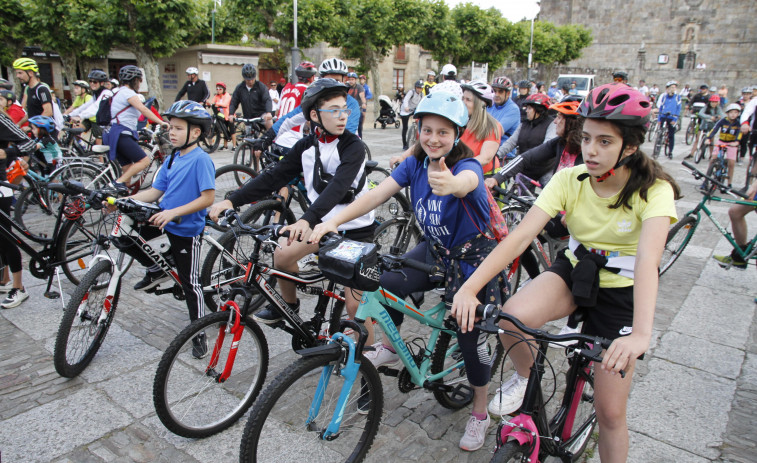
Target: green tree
552, 44
12, 23
575, 38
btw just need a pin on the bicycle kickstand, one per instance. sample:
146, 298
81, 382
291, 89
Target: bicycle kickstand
52, 294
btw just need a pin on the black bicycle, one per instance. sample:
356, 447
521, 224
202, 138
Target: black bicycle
219, 129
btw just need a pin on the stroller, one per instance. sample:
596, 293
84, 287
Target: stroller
387, 114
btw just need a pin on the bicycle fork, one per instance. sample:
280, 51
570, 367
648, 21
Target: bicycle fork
236, 329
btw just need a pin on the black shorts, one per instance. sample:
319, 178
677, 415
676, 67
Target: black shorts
128, 150
612, 317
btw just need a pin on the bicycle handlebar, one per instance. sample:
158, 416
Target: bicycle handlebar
722, 186
11, 186
490, 315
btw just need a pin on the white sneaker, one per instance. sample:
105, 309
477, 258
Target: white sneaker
475, 434
509, 396
6, 288
382, 356
565, 330
15, 298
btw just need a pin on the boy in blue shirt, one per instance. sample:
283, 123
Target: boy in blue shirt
669, 105
185, 186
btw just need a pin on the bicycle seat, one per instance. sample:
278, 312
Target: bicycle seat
57, 187
370, 164
100, 149
74, 130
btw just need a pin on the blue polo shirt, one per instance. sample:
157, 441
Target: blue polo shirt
189, 175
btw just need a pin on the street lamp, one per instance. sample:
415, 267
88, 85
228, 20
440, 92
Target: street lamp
531, 49
295, 50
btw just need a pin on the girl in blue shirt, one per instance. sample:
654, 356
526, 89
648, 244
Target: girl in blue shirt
450, 202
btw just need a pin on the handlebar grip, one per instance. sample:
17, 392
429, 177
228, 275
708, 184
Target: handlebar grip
11, 186
422, 266
688, 165
76, 187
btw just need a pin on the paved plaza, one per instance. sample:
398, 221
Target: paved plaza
694, 397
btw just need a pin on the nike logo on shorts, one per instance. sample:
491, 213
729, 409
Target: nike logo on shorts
626, 330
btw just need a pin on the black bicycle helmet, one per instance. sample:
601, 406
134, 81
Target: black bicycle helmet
305, 71
8, 95
249, 71
194, 114
128, 73
4, 84
98, 75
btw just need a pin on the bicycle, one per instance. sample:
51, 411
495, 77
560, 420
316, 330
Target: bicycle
661, 138
218, 130
328, 404
694, 127
680, 234
195, 398
244, 153
537, 432
701, 149
719, 169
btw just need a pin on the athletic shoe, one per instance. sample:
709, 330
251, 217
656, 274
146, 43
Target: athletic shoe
382, 356
6, 288
151, 280
565, 330
728, 261
509, 396
689, 156
475, 434
271, 315
119, 188
15, 298
199, 346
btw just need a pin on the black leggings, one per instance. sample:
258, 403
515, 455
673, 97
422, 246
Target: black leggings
8, 250
472, 343
405, 121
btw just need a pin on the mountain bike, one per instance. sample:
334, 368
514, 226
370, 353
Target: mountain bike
219, 129
701, 149
536, 431
680, 234
661, 138
693, 128
252, 129
719, 168
198, 398
328, 404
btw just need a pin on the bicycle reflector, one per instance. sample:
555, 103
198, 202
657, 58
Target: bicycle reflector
74, 208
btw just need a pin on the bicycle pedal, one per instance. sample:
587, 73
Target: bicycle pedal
388, 371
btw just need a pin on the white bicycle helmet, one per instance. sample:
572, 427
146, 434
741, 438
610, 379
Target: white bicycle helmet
333, 66
672, 82
733, 106
482, 90
449, 86
193, 70
449, 70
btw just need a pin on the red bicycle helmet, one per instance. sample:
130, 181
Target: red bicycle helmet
715, 98
538, 99
618, 103
502, 82
221, 84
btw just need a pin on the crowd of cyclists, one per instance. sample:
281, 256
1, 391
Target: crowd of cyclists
599, 188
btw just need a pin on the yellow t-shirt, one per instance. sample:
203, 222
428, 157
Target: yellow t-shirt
592, 223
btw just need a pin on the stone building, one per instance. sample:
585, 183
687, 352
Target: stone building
691, 41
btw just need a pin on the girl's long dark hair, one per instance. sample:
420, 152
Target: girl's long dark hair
645, 171
572, 134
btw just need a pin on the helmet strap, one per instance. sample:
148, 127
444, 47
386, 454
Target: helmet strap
621, 162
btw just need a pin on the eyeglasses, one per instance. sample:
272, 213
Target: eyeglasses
337, 113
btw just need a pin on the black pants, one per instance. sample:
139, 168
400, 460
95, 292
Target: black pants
9, 252
405, 121
186, 254
360, 124
472, 343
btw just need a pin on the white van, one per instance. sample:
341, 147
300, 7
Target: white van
584, 82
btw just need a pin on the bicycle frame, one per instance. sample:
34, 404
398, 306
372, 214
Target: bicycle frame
751, 249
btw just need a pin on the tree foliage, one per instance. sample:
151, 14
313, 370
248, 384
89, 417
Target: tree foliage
552, 44
12, 22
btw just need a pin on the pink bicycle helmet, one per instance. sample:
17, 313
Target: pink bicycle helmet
618, 103
481, 89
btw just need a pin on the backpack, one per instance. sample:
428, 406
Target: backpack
103, 117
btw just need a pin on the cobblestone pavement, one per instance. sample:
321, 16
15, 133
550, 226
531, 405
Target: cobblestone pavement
694, 397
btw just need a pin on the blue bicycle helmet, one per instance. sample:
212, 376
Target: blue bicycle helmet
43, 122
194, 114
446, 105
352, 74
98, 75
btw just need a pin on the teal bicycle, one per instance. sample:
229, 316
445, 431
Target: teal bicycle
327, 406
680, 234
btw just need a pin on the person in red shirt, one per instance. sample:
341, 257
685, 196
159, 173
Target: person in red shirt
10, 106
291, 94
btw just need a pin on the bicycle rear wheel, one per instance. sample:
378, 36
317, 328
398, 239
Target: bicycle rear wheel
678, 237
210, 143
245, 156
36, 211
189, 395
719, 170
81, 333
690, 132
280, 415
397, 232
446, 354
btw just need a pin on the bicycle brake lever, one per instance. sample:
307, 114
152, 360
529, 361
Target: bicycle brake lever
270, 241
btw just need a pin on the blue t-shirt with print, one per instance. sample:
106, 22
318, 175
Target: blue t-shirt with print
189, 175
445, 217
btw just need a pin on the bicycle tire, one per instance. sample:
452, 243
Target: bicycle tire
652, 132
269, 426
388, 235
658, 143
152, 169
510, 451
701, 150
75, 243
513, 216
188, 397
691, 130
210, 142
36, 211
244, 155
396, 206
375, 176
221, 270
445, 356
749, 176
678, 238
367, 151
719, 170
229, 179
89, 332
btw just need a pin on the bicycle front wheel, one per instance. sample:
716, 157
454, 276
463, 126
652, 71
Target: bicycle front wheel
678, 237
511, 451
36, 211
229, 179
213, 139
701, 150
191, 397
81, 332
280, 430
690, 132
245, 156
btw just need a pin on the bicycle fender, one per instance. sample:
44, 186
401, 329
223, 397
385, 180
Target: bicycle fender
525, 434
331, 350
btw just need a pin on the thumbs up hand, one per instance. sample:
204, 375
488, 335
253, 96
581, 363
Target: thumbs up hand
440, 178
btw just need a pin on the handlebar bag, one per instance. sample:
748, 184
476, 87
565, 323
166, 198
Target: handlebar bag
351, 263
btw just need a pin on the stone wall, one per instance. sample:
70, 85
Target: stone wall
633, 35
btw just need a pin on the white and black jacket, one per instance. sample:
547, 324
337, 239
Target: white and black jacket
342, 157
